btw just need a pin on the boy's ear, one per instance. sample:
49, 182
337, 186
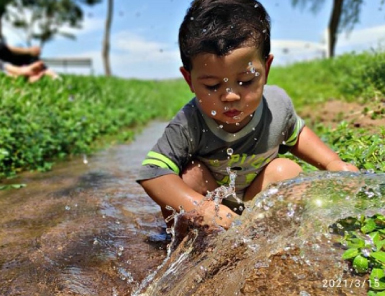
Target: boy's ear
187, 76
268, 62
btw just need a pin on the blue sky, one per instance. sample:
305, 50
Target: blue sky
144, 35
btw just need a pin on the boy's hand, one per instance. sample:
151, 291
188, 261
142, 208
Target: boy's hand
339, 165
215, 215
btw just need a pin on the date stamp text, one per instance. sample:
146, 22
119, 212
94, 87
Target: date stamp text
357, 283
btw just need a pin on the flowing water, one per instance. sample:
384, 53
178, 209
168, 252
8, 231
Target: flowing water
87, 228
84, 228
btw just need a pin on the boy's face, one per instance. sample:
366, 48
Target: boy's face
229, 88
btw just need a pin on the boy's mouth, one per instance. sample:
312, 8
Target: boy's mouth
232, 113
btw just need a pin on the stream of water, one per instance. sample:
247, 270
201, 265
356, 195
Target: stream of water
87, 228
84, 228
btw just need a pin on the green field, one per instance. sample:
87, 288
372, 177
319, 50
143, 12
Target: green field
49, 121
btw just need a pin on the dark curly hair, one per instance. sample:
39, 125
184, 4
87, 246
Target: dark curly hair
219, 26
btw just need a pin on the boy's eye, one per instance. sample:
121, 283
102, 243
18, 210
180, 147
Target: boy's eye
212, 87
246, 83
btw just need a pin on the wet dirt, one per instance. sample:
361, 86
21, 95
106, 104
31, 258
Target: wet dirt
84, 228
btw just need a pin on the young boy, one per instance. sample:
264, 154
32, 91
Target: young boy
234, 121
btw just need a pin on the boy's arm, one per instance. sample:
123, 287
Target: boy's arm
311, 149
172, 191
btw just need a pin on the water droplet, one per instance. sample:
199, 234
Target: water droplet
236, 118
257, 74
191, 18
230, 151
220, 126
213, 112
256, 5
365, 252
264, 31
226, 108
85, 160
204, 30
252, 70
67, 208
240, 82
229, 90
225, 79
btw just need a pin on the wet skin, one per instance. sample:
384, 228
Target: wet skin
229, 88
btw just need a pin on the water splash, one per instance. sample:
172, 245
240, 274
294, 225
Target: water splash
283, 242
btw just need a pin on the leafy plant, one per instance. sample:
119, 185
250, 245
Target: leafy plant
365, 242
51, 120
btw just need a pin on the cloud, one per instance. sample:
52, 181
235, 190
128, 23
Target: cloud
361, 39
89, 26
134, 56
137, 49
290, 51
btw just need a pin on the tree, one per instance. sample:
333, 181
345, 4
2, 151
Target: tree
344, 15
42, 20
3, 10
106, 39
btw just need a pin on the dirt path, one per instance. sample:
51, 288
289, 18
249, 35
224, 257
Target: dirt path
331, 113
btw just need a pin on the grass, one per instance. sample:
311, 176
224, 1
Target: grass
52, 120
350, 77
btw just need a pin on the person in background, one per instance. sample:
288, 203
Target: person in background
24, 62
235, 123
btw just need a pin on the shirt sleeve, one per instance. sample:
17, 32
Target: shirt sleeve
169, 155
294, 124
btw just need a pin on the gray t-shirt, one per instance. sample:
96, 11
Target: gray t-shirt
273, 129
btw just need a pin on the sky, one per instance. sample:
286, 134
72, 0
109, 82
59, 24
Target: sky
144, 36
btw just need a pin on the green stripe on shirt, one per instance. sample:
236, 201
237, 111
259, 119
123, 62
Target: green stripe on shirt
294, 136
160, 160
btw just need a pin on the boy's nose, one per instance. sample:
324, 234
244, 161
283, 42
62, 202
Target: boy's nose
230, 95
